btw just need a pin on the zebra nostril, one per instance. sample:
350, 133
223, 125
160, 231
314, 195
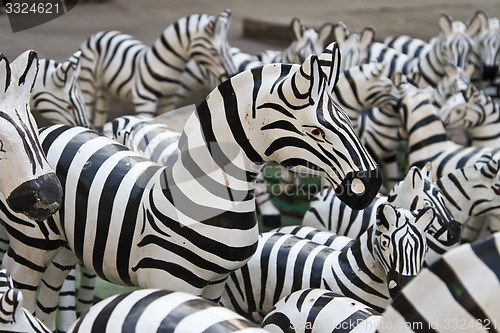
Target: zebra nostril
358, 189
357, 186
490, 72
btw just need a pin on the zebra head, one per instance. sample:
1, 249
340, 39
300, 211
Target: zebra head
418, 191
305, 42
29, 184
467, 109
353, 47
56, 93
479, 182
372, 88
399, 243
210, 48
454, 44
13, 318
296, 123
456, 80
487, 46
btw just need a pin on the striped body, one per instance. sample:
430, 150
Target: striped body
189, 223
30, 186
452, 46
154, 310
374, 266
56, 94
320, 311
13, 317
117, 64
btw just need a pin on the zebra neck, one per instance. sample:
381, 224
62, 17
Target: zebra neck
457, 196
431, 67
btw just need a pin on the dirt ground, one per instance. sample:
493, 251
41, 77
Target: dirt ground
145, 19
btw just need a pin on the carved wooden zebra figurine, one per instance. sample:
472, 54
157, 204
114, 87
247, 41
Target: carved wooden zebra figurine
56, 95
371, 270
452, 46
416, 191
156, 310
353, 47
31, 187
115, 63
158, 238
13, 317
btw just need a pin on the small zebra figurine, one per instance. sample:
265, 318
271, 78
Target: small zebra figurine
31, 187
117, 199
116, 63
13, 317
56, 94
156, 310
353, 47
372, 270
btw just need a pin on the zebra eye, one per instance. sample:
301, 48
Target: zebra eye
69, 108
316, 132
384, 243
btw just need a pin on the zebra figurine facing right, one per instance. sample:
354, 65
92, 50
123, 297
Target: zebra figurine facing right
278, 112
372, 269
116, 63
29, 185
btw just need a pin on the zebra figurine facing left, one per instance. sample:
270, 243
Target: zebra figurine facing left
188, 224
372, 269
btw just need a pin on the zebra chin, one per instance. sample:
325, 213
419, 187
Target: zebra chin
358, 188
38, 198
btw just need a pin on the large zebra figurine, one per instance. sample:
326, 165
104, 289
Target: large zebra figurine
29, 186
353, 47
188, 224
13, 317
116, 63
57, 95
452, 46
156, 310
372, 270
416, 191
448, 296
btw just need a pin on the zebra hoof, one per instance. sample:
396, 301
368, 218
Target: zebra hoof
271, 221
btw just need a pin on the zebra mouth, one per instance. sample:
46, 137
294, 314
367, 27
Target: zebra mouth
358, 189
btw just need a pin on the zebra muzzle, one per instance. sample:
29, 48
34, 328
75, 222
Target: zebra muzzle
358, 188
38, 198
396, 282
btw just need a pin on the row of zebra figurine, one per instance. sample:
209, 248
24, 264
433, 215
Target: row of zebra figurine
312, 133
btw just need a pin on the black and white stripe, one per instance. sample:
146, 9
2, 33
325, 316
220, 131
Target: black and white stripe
116, 63
375, 266
56, 94
189, 223
452, 46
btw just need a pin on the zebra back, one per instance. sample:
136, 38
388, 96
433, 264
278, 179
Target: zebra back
155, 310
353, 47
31, 186
57, 96
13, 317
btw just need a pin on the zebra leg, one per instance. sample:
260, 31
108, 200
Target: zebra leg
66, 305
85, 293
270, 215
52, 282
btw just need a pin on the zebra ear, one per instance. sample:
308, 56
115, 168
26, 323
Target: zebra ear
11, 305
24, 69
445, 23
5, 75
379, 68
483, 17
330, 64
221, 23
366, 37
450, 70
340, 32
386, 213
424, 217
469, 70
297, 28
492, 167
427, 171
474, 26
397, 79
325, 32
